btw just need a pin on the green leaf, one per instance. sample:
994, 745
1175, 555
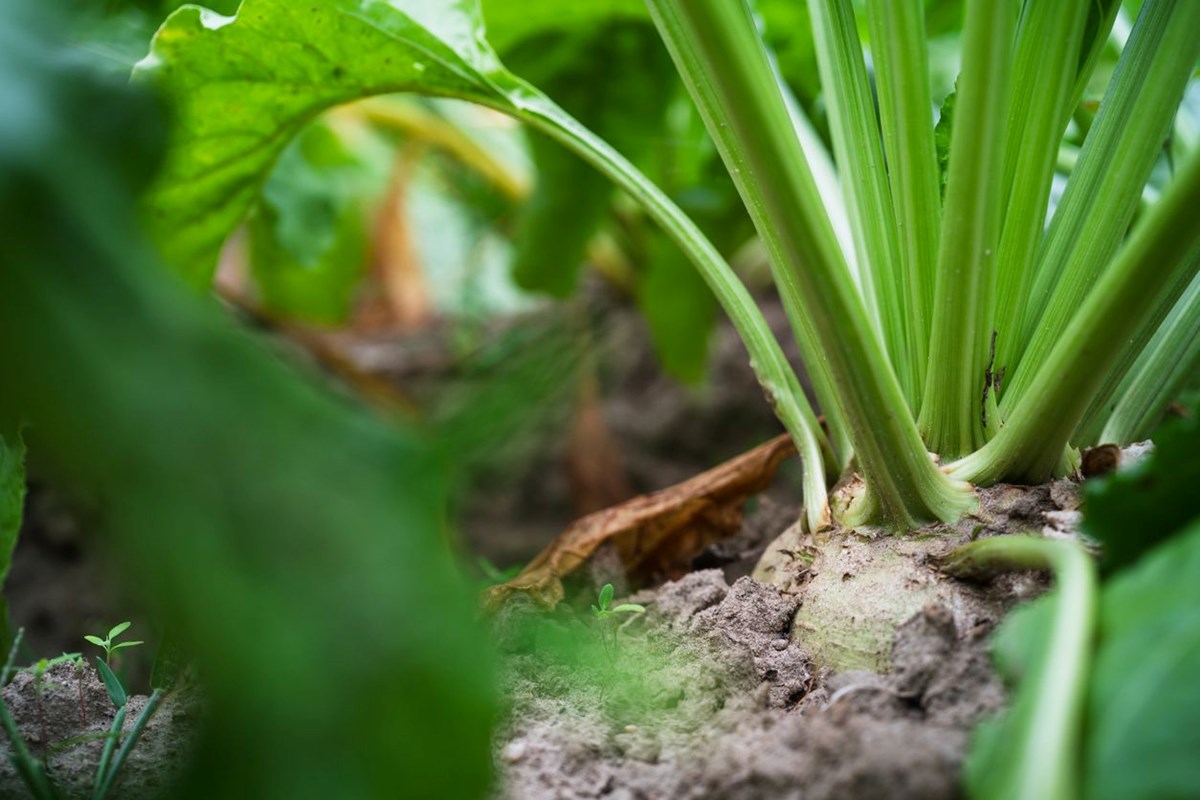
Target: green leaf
116, 692
679, 310
510, 22
606, 596
244, 86
1132, 510
1144, 701
126, 644
118, 629
12, 505
169, 662
629, 608
617, 81
96, 640
308, 230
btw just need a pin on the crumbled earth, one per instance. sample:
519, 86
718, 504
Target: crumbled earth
724, 690
51, 719
707, 696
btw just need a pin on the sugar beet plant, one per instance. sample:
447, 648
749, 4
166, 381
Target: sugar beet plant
953, 339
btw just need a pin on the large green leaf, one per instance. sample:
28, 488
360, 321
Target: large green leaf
1144, 706
294, 542
244, 86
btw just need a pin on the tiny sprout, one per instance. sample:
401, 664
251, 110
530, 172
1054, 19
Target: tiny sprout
604, 609
108, 642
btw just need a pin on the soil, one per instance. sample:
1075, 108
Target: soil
706, 696
725, 690
55, 714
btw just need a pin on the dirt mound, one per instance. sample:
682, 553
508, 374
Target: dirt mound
706, 696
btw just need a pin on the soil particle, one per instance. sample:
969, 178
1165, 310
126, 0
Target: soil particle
697, 699
154, 764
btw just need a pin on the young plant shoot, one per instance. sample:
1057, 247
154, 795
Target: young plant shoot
960, 339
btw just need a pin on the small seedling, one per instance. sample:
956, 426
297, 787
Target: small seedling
109, 643
604, 610
605, 613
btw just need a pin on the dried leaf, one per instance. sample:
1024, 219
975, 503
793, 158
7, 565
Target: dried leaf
656, 534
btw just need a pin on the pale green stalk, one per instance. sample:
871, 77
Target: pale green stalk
1172, 358
1043, 76
1162, 251
770, 366
1130, 353
1103, 192
722, 60
858, 150
825, 176
1046, 727
901, 60
953, 410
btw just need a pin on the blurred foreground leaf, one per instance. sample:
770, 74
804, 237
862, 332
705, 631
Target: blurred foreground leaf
12, 505
1144, 706
616, 80
294, 542
1134, 509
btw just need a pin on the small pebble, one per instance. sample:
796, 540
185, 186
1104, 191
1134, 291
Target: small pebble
631, 728
514, 751
780, 644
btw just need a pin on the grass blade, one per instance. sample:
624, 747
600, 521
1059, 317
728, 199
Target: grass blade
103, 789
114, 733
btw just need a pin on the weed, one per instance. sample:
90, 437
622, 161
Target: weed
109, 642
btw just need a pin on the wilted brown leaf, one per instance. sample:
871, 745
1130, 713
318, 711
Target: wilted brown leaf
656, 534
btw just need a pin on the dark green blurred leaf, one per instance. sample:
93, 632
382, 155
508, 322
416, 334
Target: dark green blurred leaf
1134, 509
679, 310
12, 505
1144, 706
308, 234
169, 662
295, 541
617, 81
116, 692
510, 22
